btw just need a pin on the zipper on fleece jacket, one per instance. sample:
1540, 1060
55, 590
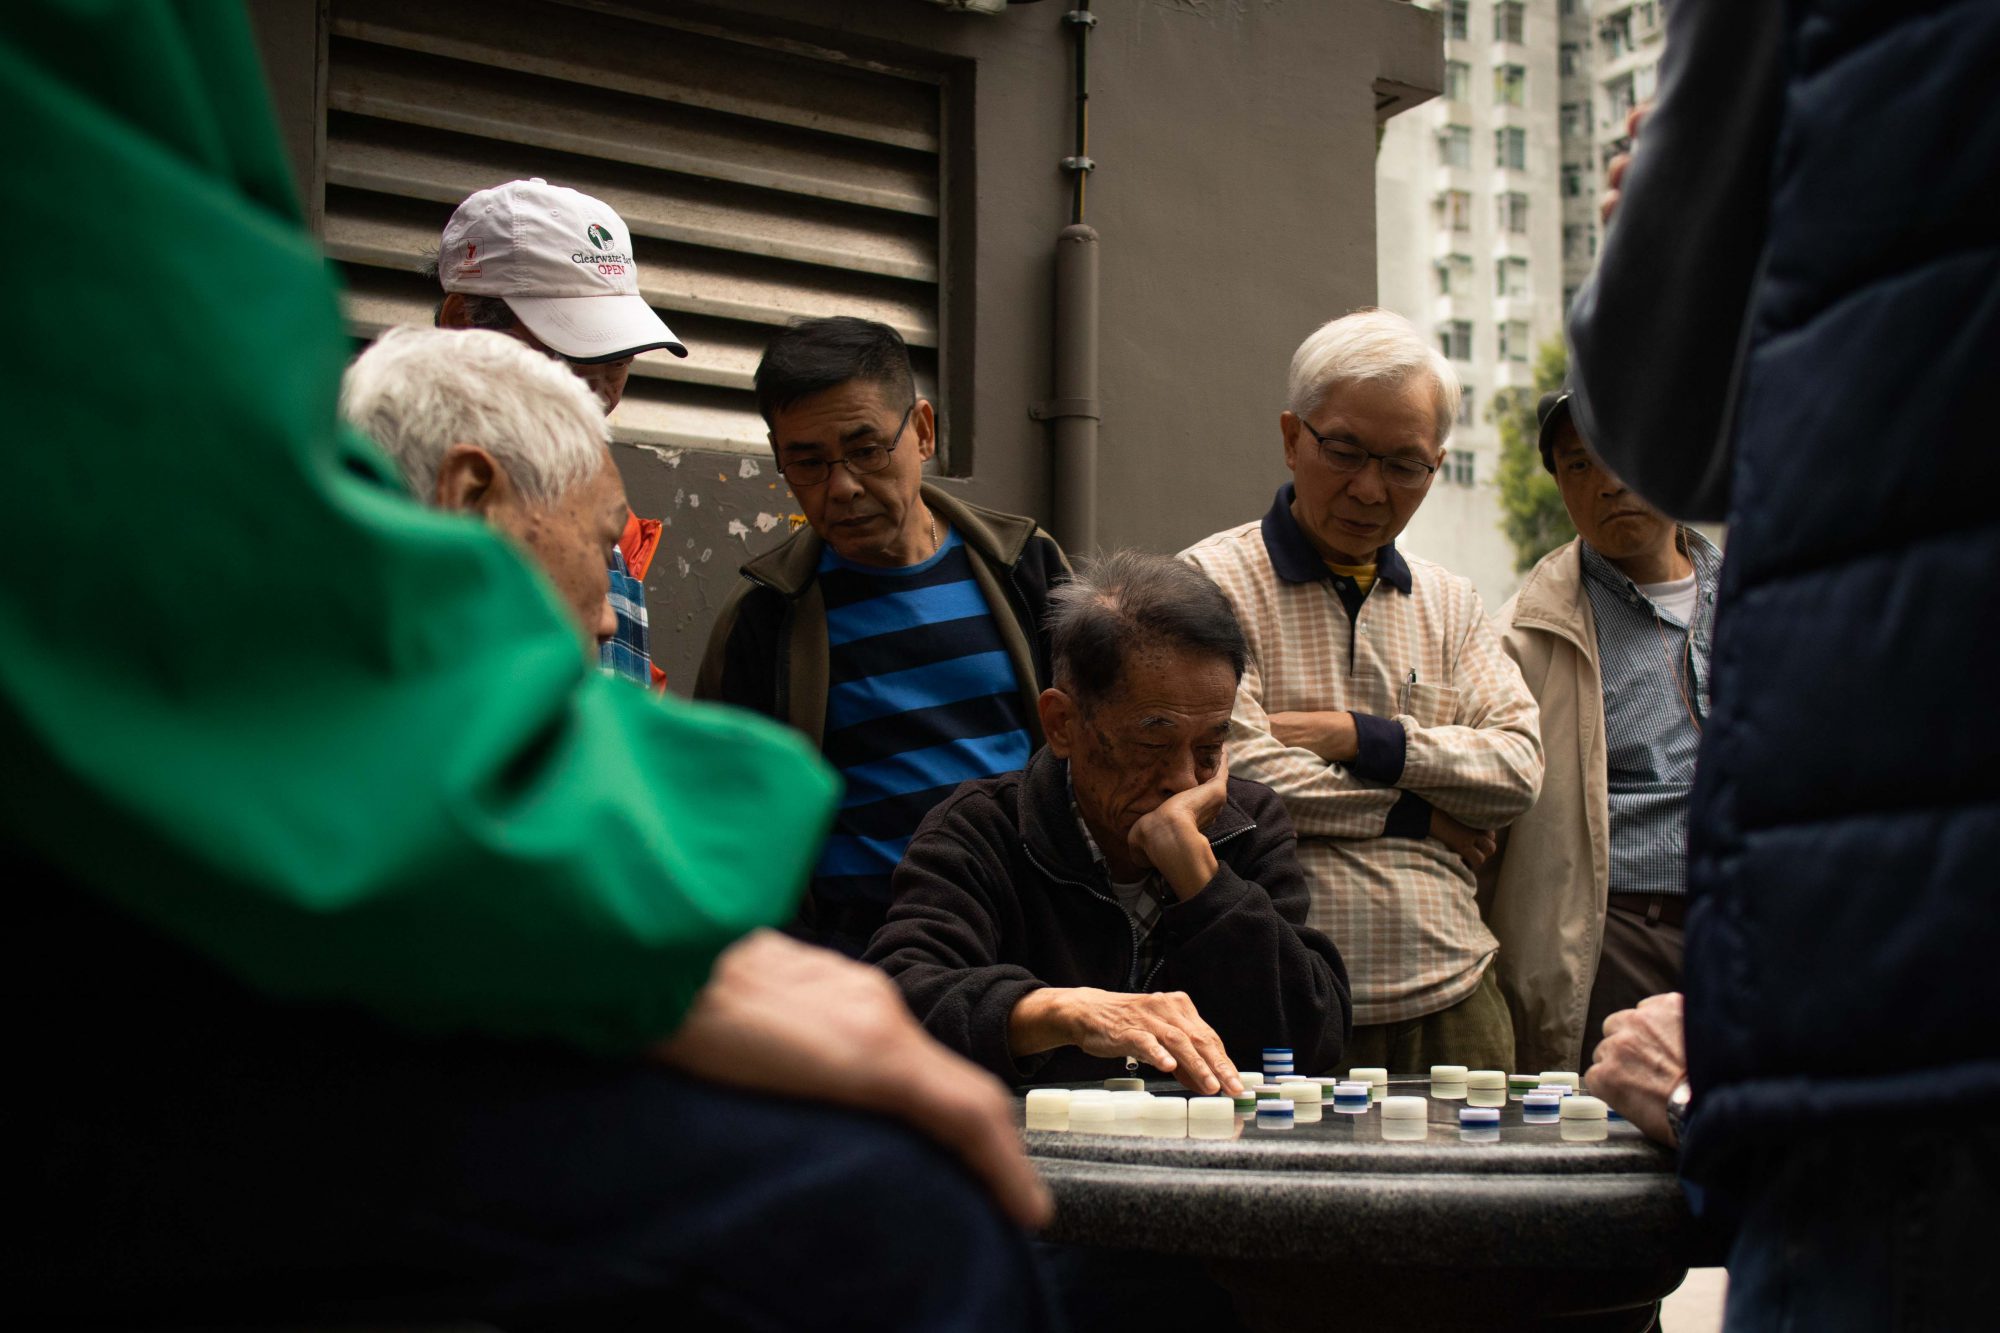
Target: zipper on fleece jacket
1133, 983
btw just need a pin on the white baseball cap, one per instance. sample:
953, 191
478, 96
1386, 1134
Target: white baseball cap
562, 261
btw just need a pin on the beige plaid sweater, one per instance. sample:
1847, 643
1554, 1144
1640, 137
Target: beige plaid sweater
1421, 657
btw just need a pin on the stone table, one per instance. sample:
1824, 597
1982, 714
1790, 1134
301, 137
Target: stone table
1530, 1231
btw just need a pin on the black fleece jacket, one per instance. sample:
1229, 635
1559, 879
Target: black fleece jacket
998, 896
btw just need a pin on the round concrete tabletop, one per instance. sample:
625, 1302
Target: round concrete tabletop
1502, 1218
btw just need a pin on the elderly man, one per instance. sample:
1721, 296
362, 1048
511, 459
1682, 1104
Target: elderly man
1379, 704
378, 961
1612, 634
554, 268
900, 630
1125, 896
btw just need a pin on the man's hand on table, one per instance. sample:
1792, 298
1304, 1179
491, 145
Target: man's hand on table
1171, 839
1641, 1060
1330, 735
786, 1018
1160, 1028
1473, 845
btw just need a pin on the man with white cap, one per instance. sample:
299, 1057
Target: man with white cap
554, 267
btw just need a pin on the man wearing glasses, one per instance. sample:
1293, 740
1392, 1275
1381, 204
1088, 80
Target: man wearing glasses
1378, 702
900, 628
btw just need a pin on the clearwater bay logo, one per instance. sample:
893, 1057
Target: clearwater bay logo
600, 236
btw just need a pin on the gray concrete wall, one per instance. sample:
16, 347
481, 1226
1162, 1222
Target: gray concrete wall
1235, 199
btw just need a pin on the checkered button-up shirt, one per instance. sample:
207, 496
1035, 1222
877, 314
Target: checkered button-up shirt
1445, 722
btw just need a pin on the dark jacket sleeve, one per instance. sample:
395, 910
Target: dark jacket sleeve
1241, 947
1656, 335
1041, 570
952, 902
742, 662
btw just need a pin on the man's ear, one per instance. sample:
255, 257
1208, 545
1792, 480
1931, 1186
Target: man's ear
470, 481
924, 418
1288, 428
451, 313
1060, 716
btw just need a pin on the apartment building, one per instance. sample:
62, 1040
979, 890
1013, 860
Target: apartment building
1486, 216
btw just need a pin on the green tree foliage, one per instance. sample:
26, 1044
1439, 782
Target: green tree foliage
1531, 508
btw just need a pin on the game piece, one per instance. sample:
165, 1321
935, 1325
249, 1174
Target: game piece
1292, 1078
1267, 1091
1405, 1131
1448, 1073
1281, 1055
1048, 1108
1304, 1090
1520, 1085
1561, 1076
1404, 1108
1352, 1098
1373, 1077
1486, 1079
1246, 1103
1214, 1129
1211, 1108
1469, 1116
1479, 1133
1124, 1085
1275, 1114
1541, 1108
1585, 1131
1580, 1107
1091, 1115
1164, 1118
1556, 1089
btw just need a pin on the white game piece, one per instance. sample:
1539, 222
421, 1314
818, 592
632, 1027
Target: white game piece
1448, 1073
1305, 1090
1211, 1108
1293, 1078
1486, 1096
1486, 1079
1091, 1114
1479, 1115
1561, 1076
1585, 1131
1048, 1108
1405, 1108
1352, 1098
1124, 1085
1164, 1108
1580, 1107
1210, 1128
1129, 1105
1275, 1114
1370, 1075
1405, 1131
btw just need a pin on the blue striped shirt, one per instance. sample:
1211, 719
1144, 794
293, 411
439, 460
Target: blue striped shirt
1655, 671
921, 696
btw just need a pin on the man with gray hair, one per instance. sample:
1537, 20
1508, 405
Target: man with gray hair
1125, 896
1378, 702
479, 424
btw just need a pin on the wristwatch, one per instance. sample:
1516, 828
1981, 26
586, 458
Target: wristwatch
1680, 1109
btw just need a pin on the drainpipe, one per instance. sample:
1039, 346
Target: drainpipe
1073, 411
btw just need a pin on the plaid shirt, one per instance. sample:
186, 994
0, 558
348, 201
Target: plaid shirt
1142, 910
626, 653
1445, 721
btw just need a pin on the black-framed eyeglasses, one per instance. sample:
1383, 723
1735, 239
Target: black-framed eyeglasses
860, 459
1343, 456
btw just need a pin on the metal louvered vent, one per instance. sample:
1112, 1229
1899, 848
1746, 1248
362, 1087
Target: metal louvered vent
760, 183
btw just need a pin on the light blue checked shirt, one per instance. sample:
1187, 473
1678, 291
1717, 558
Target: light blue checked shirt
1655, 670
627, 653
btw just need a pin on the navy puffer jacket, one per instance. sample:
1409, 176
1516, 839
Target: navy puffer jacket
1797, 327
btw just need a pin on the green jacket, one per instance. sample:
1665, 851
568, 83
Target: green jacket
349, 749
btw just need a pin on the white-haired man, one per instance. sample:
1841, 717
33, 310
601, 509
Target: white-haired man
479, 424
1378, 702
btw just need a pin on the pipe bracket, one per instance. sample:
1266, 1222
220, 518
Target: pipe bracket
1056, 409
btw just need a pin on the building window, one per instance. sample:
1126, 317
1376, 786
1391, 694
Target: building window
1455, 339
1575, 119
1457, 20
1566, 8
1566, 60
1511, 211
1455, 210
1510, 148
1576, 242
1454, 274
1465, 413
1514, 340
1510, 85
1455, 146
1615, 34
1508, 18
1457, 80
1511, 277
1459, 467
1620, 98
1572, 180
